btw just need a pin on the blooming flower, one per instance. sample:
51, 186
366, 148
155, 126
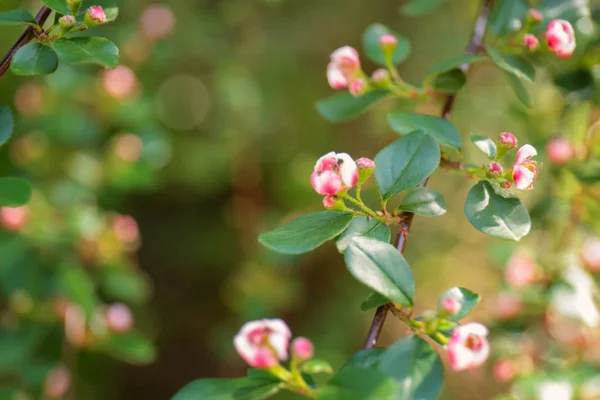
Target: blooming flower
560, 37
577, 301
560, 151
343, 68
525, 170
468, 347
520, 270
334, 173
530, 41
263, 343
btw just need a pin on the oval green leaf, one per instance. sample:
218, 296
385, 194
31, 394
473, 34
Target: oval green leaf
515, 65
450, 81
424, 201
467, 299
59, 6
519, 89
456, 62
417, 368
363, 226
382, 268
485, 144
218, 389
366, 358
444, 132
16, 17
34, 59
6, 123
495, 215
406, 163
92, 50
14, 192
373, 50
343, 106
317, 367
373, 301
359, 384
306, 232
131, 347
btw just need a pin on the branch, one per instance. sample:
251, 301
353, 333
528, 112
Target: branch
407, 217
25, 38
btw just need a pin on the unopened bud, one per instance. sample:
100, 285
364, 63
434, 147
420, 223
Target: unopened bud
366, 166
302, 348
357, 87
66, 22
508, 140
380, 76
387, 41
504, 370
560, 151
450, 306
94, 16
330, 201
494, 169
534, 15
119, 318
74, 6
531, 42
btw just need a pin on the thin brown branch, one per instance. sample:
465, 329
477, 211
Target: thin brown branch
25, 38
407, 217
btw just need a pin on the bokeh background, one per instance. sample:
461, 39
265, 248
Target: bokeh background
207, 133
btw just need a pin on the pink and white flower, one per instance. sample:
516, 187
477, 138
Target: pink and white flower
263, 343
343, 67
468, 346
334, 173
560, 37
525, 170
530, 41
335, 78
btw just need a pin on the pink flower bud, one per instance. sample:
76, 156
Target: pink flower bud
263, 343
450, 306
157, 21
468, 346
119, 82
495, 169
357, 87
525, 169
507, 306
560, 151
520, 270
560, 37
535, 15
119, 318
530, 41
504, 370
387, 41
335, 78
347, 60
329, 201
94, 16
66, 22
365, 163
334, 173
58, 382
508, 140
302, 348
591, 254
13, 218
380, 75
126, 228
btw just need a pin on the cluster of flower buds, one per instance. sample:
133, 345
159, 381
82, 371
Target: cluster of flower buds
264, 343
559, 35
93, 17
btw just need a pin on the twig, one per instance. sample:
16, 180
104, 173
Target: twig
25, 38
407, 217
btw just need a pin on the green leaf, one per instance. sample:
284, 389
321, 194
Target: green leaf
227, 389
373, 50
519, 89
306, 232
415, 8
381, 267
6, 124
126, 285
34, 59
16, 17
450, 81
406, 163
495, 215
467, 299
587, 172
77, 285
373, 301
131, 347
94, 50
359, 384
512, 64
456, 62
424, 201
366, 358
416, 367
14, 192
441, 129
363, 226
317, 367
59, 6
485, 144
343, 106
